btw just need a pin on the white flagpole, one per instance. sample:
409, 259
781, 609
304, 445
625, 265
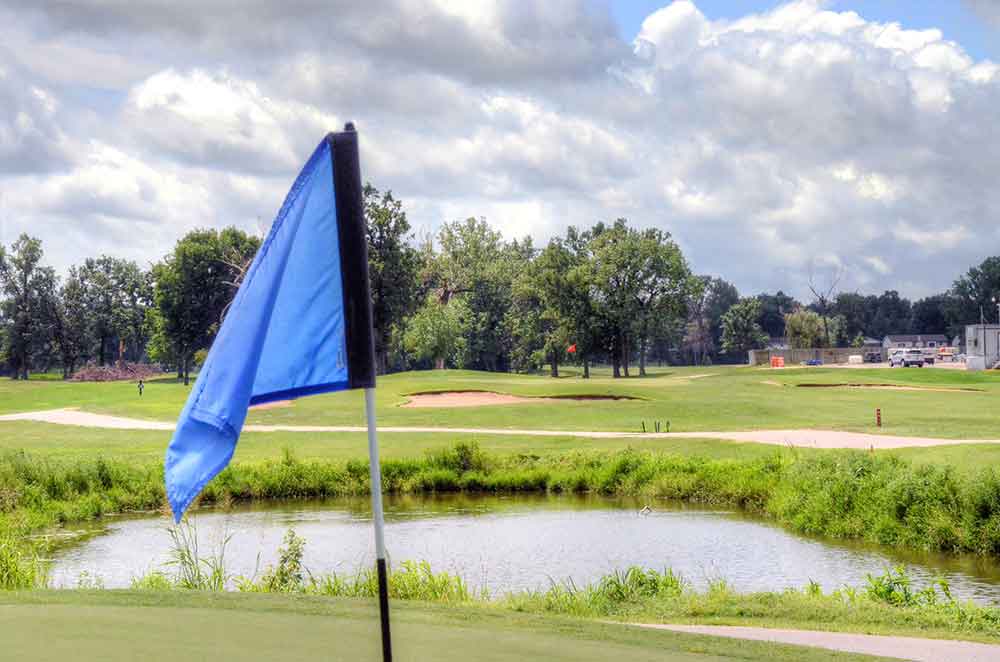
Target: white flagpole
375, 471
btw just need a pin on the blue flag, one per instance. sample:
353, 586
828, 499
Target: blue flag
300, 323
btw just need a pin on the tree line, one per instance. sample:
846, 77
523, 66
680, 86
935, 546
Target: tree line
468, 297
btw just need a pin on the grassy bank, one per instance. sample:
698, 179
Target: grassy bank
886, 604
849, 495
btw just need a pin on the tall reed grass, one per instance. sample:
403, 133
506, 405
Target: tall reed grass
858, 495
633, 593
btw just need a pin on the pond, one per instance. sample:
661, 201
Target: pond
515, 543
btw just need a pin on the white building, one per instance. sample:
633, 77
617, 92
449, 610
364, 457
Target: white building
982, 346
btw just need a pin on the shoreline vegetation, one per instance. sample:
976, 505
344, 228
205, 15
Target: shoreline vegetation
887, 603
874, 497
852, 495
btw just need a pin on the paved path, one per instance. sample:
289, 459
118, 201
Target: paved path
802, 438
905, 648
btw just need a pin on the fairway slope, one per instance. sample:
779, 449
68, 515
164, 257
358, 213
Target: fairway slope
799, 438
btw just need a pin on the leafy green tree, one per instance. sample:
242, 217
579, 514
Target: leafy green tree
773, 308
857, 310
116, 294
708, 301
663, 280
974, 294
71, 323
436, 333
393, 267
932, 314
804, 329
478, 267
28, 287
614, 280
537, 320
740, 330
193, 287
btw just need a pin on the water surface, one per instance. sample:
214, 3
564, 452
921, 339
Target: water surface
516, 543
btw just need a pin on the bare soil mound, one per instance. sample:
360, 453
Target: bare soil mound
896, 387
487, 398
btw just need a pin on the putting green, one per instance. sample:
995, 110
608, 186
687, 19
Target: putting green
121, 625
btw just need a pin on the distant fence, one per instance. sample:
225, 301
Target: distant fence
824, 354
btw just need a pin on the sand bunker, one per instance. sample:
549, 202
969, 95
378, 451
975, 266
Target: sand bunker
485, 398
896, 387
277, 404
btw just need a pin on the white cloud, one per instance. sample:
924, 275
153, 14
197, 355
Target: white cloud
767, 144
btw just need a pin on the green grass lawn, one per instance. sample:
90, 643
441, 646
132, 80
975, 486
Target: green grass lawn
692, 399
109, 626
69, 442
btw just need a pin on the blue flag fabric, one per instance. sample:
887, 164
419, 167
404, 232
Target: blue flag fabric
283, 336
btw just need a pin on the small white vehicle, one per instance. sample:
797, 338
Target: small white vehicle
907, 358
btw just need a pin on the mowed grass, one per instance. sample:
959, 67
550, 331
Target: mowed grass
691, 399
65, 442
118, 625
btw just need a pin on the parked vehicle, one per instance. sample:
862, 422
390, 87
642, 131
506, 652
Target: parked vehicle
930, 354
873, 357
907, 358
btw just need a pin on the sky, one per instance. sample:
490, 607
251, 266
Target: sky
777, 142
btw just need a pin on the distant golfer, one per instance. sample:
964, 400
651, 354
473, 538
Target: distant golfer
141, 386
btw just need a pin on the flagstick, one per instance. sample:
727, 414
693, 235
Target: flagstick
376, 488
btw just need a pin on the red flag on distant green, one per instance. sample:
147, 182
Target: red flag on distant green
571, 349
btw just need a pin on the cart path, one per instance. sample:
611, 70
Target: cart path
800, 438
905, 648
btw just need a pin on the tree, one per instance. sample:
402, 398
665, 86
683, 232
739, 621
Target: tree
974, 293
476, 266
72, 326
740, 330
892, 314
578, 309
536, 320
823, 297
435, 333
615, 283
804, 329
773, 308
193, 287
856, 310
664, 282
393, 266
932, 314
27, 286
115, 293
708, 302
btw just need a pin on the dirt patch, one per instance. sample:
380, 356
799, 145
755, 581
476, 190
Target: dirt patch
277, 404
896, 387
487, 398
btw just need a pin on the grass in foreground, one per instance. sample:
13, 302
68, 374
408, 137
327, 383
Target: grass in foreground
129, 625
